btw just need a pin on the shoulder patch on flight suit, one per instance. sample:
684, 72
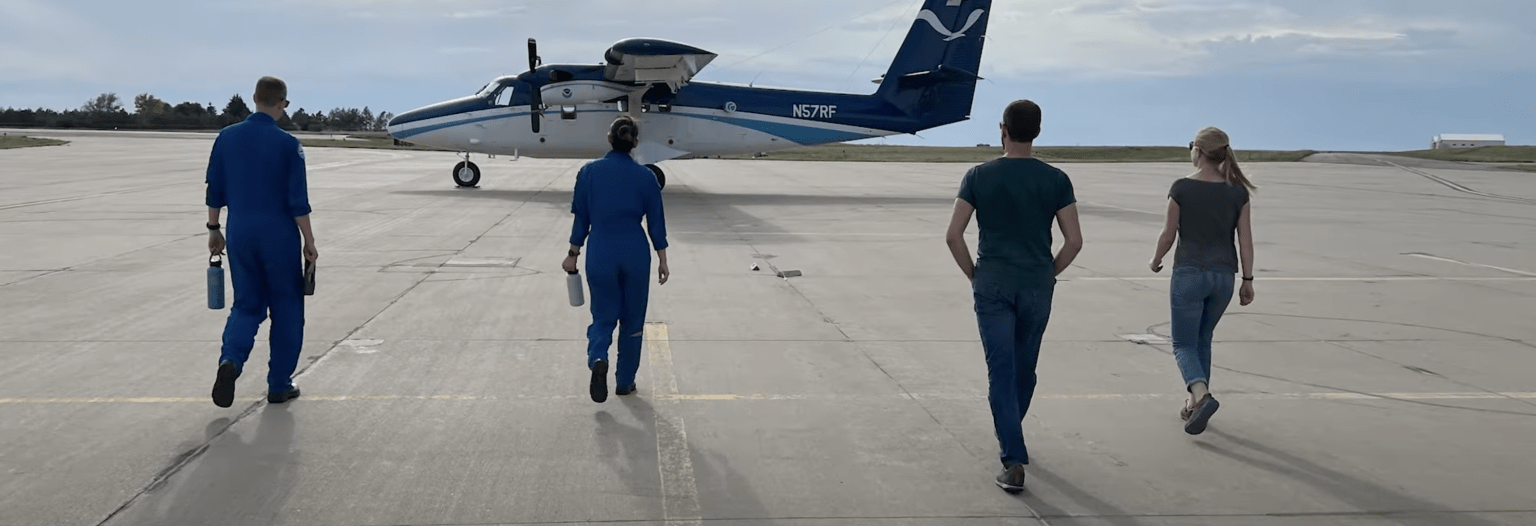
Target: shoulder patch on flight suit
301, 151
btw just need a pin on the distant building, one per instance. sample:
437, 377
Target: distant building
1459, 140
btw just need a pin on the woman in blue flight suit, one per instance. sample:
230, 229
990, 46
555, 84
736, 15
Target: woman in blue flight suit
612, 195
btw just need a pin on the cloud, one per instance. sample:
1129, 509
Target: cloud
1108, 39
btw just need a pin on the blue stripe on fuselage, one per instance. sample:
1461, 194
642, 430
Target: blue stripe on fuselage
800, 134
450, 124
792, 132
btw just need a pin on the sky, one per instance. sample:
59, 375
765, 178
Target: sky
1275, 74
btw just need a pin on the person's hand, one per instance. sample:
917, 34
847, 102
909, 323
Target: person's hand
1156, 265
310, 252
215, 243
663, 273
569, 265
1246, 293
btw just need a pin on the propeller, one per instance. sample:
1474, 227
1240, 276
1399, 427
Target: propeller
536, 99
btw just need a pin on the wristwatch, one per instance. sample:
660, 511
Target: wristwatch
572, 253
213, 226
1247, 279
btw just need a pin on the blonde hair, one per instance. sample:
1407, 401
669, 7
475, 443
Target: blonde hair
1216, 147
270, 91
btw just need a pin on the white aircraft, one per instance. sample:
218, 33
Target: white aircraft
562, 111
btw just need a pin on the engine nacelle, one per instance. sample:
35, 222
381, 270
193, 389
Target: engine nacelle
582, 91
646, 60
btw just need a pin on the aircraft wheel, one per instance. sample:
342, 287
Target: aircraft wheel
466, 174
661, 177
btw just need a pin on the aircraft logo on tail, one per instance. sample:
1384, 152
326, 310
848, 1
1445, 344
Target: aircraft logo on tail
933, 20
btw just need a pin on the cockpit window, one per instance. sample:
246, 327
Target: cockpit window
486, 91
504, 98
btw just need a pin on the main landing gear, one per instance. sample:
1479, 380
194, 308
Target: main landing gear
466, 174
661, 177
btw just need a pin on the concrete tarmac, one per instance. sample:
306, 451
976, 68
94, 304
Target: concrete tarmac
1382, 377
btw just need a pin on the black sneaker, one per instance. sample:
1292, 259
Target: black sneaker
224, 384
1011, 479
624, 390
278, 398
1200, 415
599, 381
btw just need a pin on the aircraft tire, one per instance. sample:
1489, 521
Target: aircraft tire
473, 175
661, 177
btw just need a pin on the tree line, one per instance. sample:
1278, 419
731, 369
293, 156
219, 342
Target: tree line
106, 111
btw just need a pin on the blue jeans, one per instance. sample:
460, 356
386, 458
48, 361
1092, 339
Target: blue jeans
1012, 320
1198, 299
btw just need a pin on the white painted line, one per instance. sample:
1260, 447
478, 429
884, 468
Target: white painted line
1144, 338
327, 166
361, 346
679, 490
683, 470
1122, 208
1449, 260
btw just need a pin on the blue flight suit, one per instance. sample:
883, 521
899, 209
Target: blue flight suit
257, 170
612, 195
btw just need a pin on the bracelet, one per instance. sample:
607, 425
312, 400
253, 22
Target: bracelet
1247, 279
213, 226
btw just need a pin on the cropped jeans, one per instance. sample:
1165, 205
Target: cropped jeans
1198, 298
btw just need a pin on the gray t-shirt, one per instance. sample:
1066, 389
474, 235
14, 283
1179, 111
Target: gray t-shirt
1208, 215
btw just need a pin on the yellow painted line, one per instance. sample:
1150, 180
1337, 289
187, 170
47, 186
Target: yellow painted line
1362, 279
679, 490
665, 392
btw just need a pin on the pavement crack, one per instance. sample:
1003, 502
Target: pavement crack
186, 458
1167, 349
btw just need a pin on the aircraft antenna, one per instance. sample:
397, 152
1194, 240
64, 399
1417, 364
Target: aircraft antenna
819, 31
872, 50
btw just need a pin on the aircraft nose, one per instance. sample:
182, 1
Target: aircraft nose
397, 122
411, 122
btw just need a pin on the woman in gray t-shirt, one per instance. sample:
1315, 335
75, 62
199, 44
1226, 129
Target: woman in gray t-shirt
1205, 210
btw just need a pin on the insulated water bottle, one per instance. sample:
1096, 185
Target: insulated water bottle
216, 282
573, 288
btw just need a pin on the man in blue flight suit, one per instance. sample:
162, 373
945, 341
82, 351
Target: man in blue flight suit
612, 196
257, 170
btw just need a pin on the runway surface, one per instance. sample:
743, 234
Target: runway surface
1383, 377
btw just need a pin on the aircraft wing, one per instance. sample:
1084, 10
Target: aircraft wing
654, 61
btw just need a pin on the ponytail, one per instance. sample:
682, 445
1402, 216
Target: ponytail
1230, 171
622, 134
1216, 148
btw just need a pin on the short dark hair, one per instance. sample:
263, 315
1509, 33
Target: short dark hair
271, 91
622, 133
1022, 121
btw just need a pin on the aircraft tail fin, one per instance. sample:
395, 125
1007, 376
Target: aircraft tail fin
933, 77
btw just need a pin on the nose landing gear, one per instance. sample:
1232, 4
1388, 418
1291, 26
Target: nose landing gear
466, 174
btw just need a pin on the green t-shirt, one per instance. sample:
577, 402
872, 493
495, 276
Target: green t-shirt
1016, 201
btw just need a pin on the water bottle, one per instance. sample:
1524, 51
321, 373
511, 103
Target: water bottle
216, 282
573, 288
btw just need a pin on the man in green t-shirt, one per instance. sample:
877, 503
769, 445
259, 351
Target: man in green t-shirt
1015, 198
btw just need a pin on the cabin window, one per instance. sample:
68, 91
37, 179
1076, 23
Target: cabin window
568, 113
504, 97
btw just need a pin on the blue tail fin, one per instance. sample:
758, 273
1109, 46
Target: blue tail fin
933, 77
